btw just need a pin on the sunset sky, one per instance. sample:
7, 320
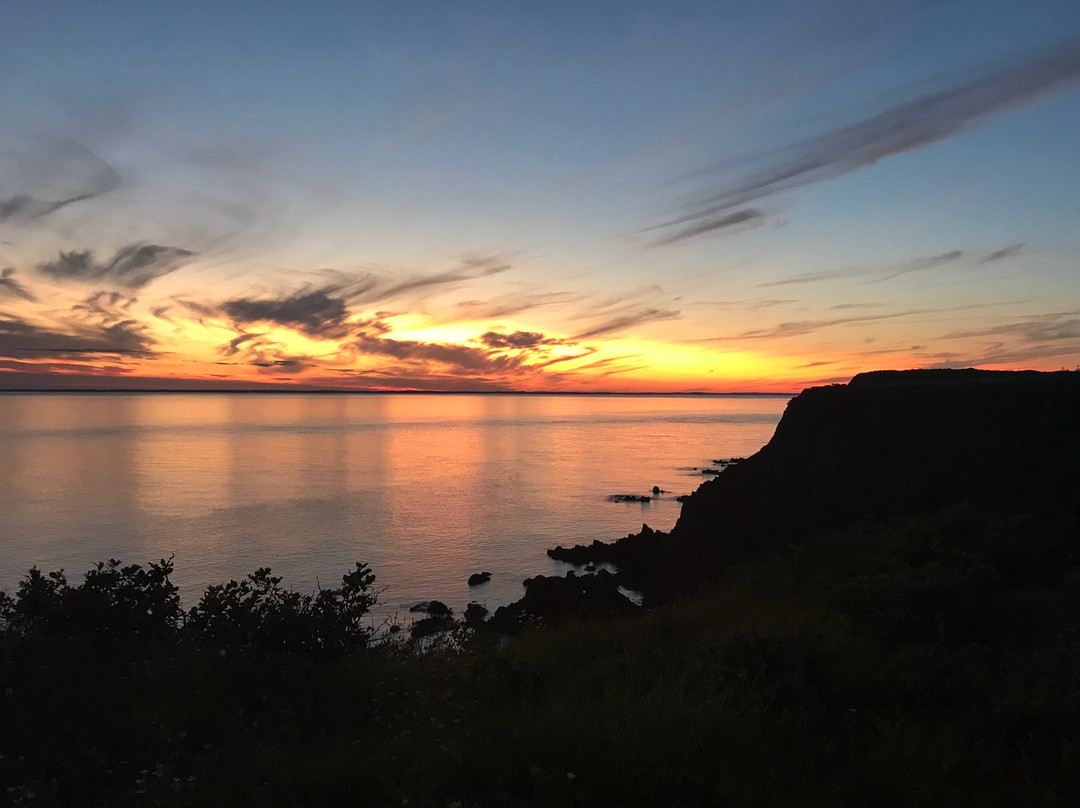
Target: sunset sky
655, 197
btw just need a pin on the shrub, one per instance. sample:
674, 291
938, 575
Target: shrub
258, 612
112, 599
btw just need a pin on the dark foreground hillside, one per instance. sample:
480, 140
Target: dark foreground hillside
887, 445
892, 443
916, 659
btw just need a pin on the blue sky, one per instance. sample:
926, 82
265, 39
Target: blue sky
665, 196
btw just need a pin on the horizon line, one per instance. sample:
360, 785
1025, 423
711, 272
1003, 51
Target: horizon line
293, 390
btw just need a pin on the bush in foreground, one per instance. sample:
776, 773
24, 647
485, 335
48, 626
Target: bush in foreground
932, 663
256, 613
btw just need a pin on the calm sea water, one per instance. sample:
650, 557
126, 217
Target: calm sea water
427, 489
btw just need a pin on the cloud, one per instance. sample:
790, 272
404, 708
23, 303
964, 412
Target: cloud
366, 288
232, 347
70, 174
753, 304
11, 287
877, 273
628, 369
624, 322
317, 313
1045, 328
920, 264
264, 353
513, 303
375, 324
284, 364
398, 378
1005, 252
585, 351
105, 305
902, 128
738, 221
20, 339
606, 362
61, 369
162, 313
465, 357
200, 310
518, 340
323, 311
132, 266
1001, 353
472, 267
800, 328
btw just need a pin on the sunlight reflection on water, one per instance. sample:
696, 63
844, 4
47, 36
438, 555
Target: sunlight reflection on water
426, 489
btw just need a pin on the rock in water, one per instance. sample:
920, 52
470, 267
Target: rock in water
432, 608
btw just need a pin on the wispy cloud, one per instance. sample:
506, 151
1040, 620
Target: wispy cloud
878, 273
625, 321
105, 305
1005, 252
736, 221
324, 311
607, 362
1044, 328
513, 303
1004, 353
518, 340
232, 347
799, 328
752, 304
465, 357
905, 127
398, 377
70, 166
200, 310
21, 339
471, 268
131, 267
265, 353
11, 287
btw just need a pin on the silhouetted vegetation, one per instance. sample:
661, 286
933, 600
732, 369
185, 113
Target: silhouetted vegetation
258, 614
923, 663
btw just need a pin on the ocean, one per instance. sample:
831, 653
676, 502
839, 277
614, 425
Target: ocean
425, 488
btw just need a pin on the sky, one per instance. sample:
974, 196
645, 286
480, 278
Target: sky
623, 197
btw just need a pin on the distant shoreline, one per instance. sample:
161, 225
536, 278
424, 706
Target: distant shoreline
323, 392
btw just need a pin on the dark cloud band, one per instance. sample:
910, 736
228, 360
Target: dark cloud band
902, 128
131, 267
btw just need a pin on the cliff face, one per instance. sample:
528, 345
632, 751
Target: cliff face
888, 445
893, 444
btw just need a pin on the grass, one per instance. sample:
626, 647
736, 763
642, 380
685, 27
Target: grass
931, 663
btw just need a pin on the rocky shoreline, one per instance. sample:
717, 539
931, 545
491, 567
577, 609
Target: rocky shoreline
887, 445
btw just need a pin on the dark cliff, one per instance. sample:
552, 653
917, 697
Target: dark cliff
888, 445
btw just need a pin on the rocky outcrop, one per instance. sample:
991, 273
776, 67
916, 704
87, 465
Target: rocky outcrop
575, 596
889, 444
432, 608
